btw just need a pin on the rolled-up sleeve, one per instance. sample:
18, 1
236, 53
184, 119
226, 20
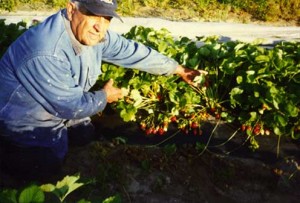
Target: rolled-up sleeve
130, 54
49, 81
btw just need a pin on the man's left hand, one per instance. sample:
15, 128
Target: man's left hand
188, 75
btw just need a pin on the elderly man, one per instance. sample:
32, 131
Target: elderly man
46, 75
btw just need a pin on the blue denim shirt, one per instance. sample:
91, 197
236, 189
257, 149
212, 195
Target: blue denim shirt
46, 75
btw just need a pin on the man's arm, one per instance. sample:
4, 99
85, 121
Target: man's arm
131, 54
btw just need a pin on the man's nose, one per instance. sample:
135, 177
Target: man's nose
101, 25
97, 27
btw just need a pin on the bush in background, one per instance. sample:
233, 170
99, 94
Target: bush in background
207, 10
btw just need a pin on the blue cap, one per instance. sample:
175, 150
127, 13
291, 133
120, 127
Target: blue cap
101, 7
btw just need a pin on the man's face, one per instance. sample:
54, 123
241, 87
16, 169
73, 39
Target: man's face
87, 28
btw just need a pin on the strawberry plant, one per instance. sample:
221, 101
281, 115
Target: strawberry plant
254, 87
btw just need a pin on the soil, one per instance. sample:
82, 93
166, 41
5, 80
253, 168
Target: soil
173, 168
176, 167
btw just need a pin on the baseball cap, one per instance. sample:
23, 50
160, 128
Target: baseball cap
101, 7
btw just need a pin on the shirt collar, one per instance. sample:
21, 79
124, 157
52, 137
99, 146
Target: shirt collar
77, 46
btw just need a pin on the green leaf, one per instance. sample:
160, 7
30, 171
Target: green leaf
47, 187
234, 94
199, 80
295, 135
113, 199
239, 79
136, 96
291, 109
204, 51
84, 201
63, 188
193, 62
162, 47
239, 46
253, 116
8, 196
262, 59
256, 94
128, 114
32, 194
277, 131
281, 120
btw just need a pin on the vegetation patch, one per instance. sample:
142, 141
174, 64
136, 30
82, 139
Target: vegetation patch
281, 12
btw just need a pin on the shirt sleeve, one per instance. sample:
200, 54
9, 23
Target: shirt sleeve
130, 54
49, 81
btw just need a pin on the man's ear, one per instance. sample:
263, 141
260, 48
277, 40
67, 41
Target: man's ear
71, 7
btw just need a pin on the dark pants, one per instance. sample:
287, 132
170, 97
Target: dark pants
40, 163
29, 163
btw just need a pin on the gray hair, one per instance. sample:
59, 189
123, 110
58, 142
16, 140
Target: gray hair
79, 6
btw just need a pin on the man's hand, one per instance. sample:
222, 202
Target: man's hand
188, 75
113, 93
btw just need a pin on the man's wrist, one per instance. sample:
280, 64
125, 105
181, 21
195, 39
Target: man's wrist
179, 70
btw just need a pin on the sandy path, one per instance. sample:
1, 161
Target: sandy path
227, 31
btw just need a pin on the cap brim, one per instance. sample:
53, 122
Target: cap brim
95, 11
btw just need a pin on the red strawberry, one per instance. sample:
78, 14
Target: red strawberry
173, 119
243, 127
194, 125
161, 131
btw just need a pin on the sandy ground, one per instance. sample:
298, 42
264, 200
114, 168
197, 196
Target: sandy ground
226, 31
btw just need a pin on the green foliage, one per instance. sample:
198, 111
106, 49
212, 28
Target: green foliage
32, 193
268, 10
11, 5
8, 5
126, 7
58, 3
10, 33
254, 87
63, 188
264, 10
37, 194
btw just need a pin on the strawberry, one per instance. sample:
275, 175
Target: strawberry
174, 119
143, 126
194, 125
161, 131
243, 127
212, 109
249, 128
256, 129
159, 97
148, 131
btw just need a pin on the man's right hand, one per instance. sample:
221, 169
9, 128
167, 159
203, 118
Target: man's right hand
113, 93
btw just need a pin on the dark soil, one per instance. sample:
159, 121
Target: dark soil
177, 168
